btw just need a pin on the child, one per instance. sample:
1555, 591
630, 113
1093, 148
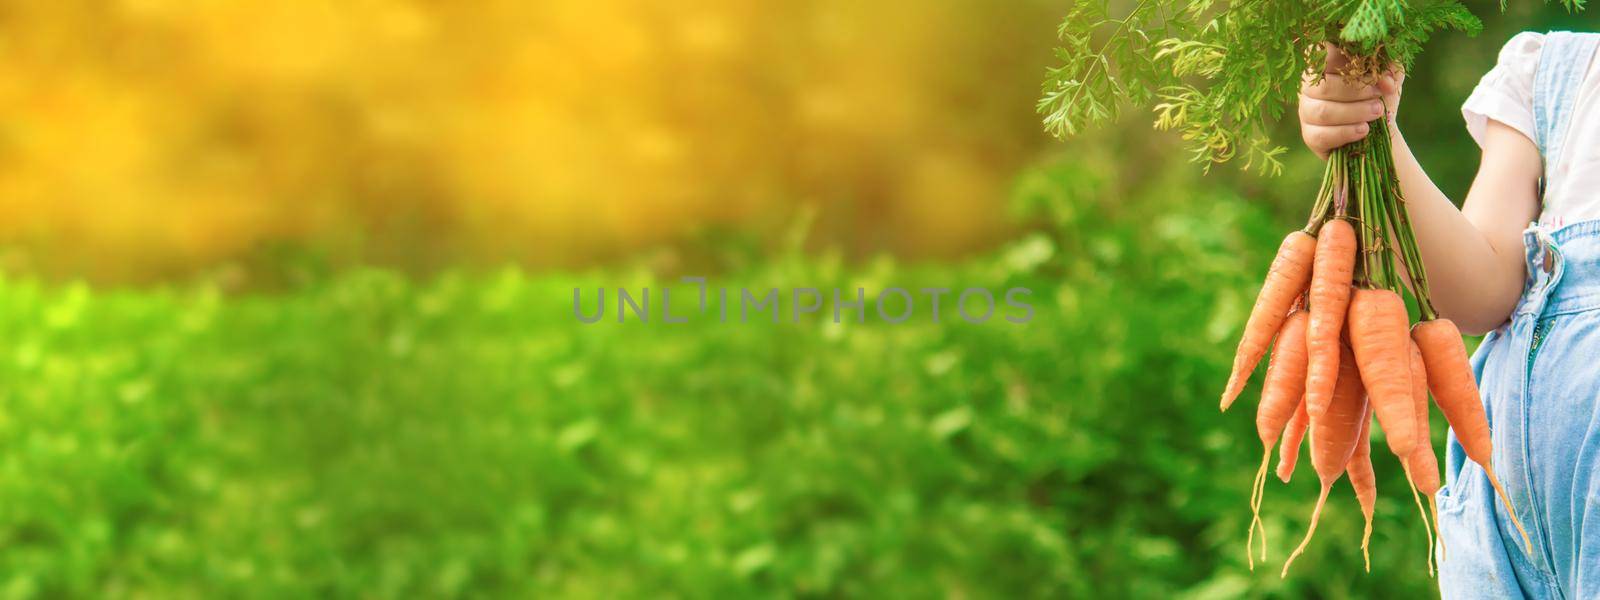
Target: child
1521, 261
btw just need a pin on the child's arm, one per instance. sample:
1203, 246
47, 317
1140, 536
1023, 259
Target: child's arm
1474, 255
1475, 258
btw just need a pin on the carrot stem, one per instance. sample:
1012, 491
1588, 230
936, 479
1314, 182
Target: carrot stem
1406, 239
1324, 207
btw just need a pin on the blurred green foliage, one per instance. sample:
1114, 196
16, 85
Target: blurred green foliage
369, 436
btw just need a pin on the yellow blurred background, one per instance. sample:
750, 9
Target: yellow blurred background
149, 139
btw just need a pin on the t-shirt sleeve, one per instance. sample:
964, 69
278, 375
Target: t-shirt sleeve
1505, 93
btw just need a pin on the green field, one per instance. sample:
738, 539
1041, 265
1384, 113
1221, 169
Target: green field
370, 435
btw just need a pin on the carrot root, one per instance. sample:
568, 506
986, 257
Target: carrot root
1366, 538
1316, 513
1258, 490
1434, 504
1510, 509
1426, 529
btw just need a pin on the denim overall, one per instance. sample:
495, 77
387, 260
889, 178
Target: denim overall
1540, 380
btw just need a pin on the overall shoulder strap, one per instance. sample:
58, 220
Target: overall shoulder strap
1563, 61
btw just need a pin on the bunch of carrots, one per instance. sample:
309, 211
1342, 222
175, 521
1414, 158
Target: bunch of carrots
1344, 349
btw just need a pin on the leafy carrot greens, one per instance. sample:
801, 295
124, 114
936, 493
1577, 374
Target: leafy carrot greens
1222, 72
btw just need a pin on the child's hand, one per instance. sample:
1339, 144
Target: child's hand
1335, 112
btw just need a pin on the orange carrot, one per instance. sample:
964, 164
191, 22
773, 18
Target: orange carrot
1422, 470
1329, 296
1422, 464
1364, 480
1285, 384
1426, 480
1424, 467
1333, 439
1282, 391
1378, 324
1286, 279
1456, 392
1293, 435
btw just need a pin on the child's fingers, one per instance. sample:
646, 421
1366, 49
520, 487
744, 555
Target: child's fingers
1326, 112
1322, 138
1390, 82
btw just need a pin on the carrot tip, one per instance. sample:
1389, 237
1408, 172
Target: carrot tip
1258, 489
1231, 393
1316, 513
1426, 529
1366, 539
1255, 517
1510, 509
1434, 504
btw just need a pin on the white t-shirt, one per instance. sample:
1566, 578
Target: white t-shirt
1505, 94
